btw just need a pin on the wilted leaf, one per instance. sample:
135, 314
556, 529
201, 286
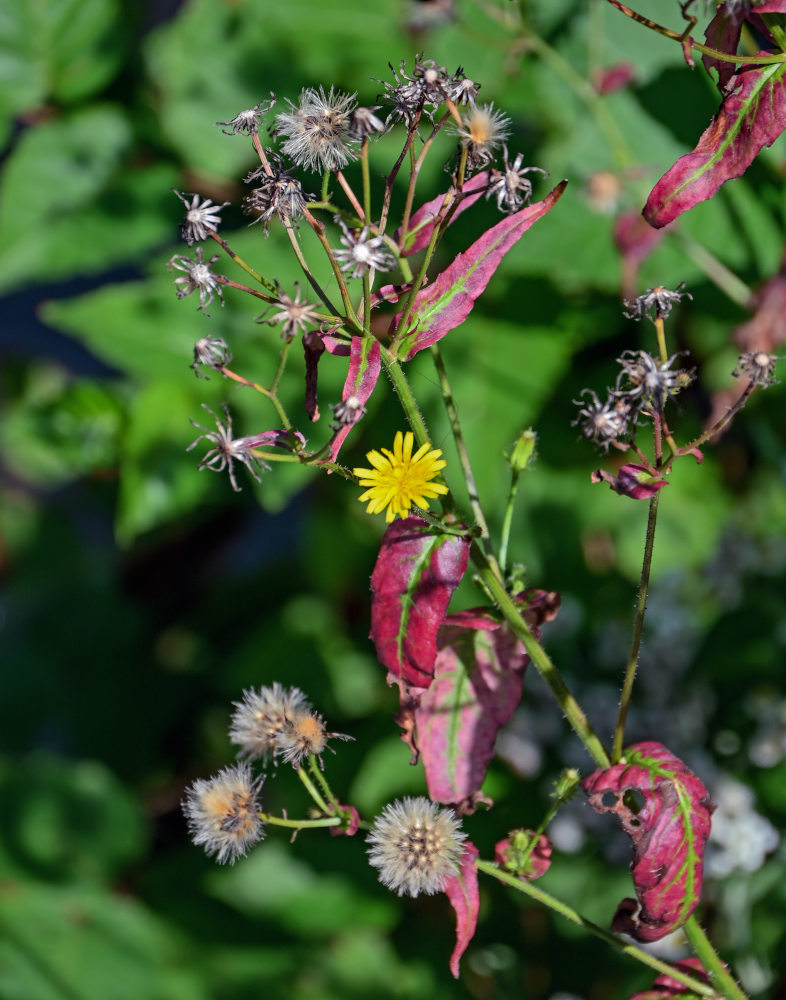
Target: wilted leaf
444, 304
462, 891
752, 115
364, 366
669, 832
415, 575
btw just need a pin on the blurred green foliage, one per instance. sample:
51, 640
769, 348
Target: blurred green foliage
140, 597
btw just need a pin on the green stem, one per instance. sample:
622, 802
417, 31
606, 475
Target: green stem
322, 781
313, 791
508, 519
271, 396
719, 975
241, 263
300, 824
282, 363
638, 630
540, 659
525, 886
365, 178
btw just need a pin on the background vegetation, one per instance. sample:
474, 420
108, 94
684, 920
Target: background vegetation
140, 596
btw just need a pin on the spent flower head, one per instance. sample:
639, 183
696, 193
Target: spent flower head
602, 423
293, 314
647, 381
212, 352
347, 412
399, 478
278, 194
656, 302
362, 252
365, 123
506, 184
248, 121
317, 131
758, 367
226, 450
416, 846
197, 275
483, 132
223, 813
200, 216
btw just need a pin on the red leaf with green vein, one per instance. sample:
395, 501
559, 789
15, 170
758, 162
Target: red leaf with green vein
415, 575
752, 115
421, 225
478, 676
669, 832
446, 303
364, 367
462, 891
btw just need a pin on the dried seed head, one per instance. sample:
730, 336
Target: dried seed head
365, 123
347, 412
212, 352
362, 252
317, 131
656, 302
482, 134
197, 276
278, 194
602, 423
223, 813
416, 846
649, 381
506, 184
262, 716
758, 367
227, 450
293, 314
248, 121
200, 216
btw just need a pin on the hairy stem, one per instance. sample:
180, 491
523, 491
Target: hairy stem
721, 978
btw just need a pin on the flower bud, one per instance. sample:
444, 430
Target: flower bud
522, 453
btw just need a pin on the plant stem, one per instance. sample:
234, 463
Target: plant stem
540, 659
285, 422
312, 790
246, 267
300, 824
525, 886
508, 519
721, 978
638, 630
322, 780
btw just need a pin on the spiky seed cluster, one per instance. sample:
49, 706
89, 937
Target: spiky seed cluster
248, 121
293, 314
506, 184
483, 132
656, 302
212, 352
226, 450
649, 382
429, 86
317, 131
758, 367
603, 423
223, 813
347, 412
197, 275
277, 722
416, 846
200, 216
278, 193
362, 252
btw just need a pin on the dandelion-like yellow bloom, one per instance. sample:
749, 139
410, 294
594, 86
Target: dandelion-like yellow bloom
399, 478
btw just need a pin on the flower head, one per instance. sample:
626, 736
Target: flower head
317, 131
656, 302
506, 184
362, 252
278, 194
248, 121
293, 314
416, 846
365, 123
200, 216
603, 423
483, 132
226, 450
197, 275
649, 381
399, 478
347, 412
223, 813
212, 352
758, 367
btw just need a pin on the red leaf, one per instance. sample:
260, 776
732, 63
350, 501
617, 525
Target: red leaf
614, 78
277, 439
668, 833
667, 988
448, 300
752, 115
421, 225
634, 481
364, 366
415, 575
478, 676
352, 826
462, 891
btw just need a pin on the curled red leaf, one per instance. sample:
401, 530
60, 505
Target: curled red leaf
669, 833
462, 891
364, 367
415, 575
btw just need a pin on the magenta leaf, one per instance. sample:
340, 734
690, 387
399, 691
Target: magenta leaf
421, 225
352, 821
448, 300
752, 115
667, 988
364, 366
634, 481
478, 677
415, 575
668, 833
462, 891
278, 439
313, 349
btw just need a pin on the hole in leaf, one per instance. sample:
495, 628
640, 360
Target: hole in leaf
634, 801
609, 800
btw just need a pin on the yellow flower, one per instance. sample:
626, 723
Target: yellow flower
400, 478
